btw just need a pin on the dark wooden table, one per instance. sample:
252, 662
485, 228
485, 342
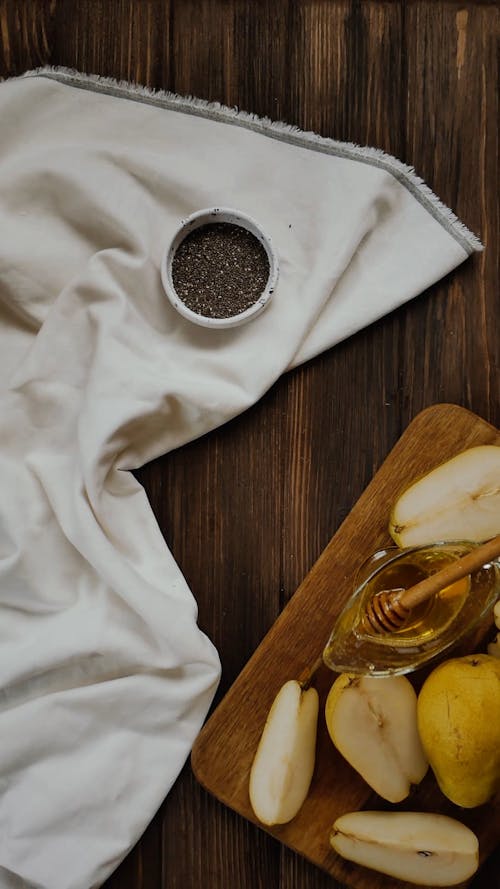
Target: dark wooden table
248, 509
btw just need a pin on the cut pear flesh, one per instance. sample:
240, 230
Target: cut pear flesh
284, 762
373, 724
459, 500
494, 647
426, 849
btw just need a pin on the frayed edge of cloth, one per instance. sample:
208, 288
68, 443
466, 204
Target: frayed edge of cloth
404, 173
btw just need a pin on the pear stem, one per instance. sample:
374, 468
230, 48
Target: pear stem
308, 673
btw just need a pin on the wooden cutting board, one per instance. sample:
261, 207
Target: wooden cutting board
223, 753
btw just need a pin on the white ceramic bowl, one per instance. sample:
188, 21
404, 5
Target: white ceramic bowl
207, 217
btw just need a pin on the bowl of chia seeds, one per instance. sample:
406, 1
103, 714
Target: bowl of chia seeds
220, 270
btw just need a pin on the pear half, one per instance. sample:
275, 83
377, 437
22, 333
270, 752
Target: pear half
373, 724
459, 500
421, 848
284, 762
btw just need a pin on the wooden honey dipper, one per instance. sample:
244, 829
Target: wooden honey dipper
388, 610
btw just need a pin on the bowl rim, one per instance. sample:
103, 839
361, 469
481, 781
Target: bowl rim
197, 220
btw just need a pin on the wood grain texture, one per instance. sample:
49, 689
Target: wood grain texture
224, 751
248, 509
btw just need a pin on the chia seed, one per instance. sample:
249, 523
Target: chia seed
220, 270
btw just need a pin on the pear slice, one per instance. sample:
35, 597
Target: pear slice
373, 724
284, 762
426, 849
459, 500
494, 647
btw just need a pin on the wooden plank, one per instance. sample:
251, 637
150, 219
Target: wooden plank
451, 125
345, 82
224, 751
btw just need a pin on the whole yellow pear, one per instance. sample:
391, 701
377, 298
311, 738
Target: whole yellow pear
458, 715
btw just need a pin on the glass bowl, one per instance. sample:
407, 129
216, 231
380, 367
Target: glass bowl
432, 628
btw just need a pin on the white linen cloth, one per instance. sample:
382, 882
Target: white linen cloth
105, 676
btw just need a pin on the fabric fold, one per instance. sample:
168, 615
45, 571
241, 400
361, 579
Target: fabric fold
105, 675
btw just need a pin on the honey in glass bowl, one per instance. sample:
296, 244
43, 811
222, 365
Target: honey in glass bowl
432, 627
